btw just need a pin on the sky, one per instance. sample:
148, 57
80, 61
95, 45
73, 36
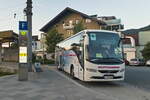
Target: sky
133, 13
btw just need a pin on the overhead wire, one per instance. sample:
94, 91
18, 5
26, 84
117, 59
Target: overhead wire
8, 18
11, 10
13, 6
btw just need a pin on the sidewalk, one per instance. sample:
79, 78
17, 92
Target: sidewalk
48, 85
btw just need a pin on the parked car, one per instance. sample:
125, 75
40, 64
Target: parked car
148, 63
137, 62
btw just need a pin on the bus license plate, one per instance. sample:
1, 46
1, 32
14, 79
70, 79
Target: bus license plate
108, 77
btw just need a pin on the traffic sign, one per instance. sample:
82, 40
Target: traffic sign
23, 54
23, 32
23, 25
23, 68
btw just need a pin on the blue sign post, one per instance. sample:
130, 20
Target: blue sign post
23, 25
23, 28
23, 69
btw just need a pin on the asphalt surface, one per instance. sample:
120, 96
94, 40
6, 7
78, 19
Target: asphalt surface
136, 85
138, 76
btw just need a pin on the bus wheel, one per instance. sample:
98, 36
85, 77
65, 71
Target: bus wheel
58, 68
72, 72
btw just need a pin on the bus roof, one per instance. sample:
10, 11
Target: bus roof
87, 30
93, 30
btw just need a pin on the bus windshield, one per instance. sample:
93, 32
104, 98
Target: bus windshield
104, 47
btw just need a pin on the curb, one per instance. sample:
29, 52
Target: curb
80, 85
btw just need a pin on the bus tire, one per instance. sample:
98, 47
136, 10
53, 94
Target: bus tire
72, 72
58, 68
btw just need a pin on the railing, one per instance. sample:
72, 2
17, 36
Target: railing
68, 26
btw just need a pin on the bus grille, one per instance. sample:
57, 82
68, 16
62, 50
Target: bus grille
108, 71
96, 77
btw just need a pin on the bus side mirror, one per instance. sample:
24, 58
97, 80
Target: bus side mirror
121, 40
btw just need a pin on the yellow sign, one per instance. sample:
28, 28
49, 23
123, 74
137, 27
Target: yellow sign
99, 55
23, 54
23, 32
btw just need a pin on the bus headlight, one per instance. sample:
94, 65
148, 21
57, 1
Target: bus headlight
91, 70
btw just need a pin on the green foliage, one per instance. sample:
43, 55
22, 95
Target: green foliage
42, 60
146, 51
14, 45
78, 27
6, 73
52, 38
49, 61
39, 59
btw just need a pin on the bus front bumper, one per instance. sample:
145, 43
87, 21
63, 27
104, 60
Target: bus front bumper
104, 77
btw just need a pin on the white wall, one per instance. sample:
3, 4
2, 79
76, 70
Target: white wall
130, 49
130, 53
144, 37
36, 45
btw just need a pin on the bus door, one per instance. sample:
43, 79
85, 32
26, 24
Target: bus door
81, 59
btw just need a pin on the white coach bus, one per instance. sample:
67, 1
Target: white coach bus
92, 55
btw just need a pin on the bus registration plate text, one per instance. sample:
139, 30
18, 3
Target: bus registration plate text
108, 77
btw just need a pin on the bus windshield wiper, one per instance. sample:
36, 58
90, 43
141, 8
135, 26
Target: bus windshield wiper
106, 60
116, 59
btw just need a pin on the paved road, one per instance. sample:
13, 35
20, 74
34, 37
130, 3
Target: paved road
135, 87
138, 76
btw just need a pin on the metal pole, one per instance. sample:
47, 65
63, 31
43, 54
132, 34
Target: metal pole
23, 69
29, 20
43, 46
0, 52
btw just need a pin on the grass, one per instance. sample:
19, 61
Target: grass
6, 73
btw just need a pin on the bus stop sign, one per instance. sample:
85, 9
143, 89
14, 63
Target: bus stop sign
23, 40
23, 25
23, 28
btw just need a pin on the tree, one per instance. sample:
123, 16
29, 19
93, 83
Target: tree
52, 38
146, 51
14, 45
78, 27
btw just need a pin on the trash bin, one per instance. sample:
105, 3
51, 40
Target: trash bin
37, 66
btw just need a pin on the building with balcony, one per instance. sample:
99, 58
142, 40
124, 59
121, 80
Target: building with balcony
112, 23
65, 21
139, 37
9, 46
